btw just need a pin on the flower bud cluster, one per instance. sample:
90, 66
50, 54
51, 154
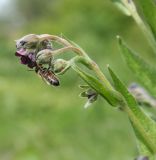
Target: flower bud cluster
28, 47
36, 51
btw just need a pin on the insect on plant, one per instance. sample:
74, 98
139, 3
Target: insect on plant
47, 75
37, 51
27, 52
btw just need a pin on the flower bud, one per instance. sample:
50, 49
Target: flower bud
61, 66
44, 56
29, 41
46, 44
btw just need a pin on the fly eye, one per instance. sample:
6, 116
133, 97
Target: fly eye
23, 43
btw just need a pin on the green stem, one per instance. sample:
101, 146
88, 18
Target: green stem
79, 51
105, 88
145, 30
100, 75
133, 11
92, 65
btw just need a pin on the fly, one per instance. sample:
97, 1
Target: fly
47, 75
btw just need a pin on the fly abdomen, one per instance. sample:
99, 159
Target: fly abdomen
48, 76
52, 79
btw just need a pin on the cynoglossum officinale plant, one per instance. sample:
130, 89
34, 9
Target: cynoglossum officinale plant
38, 53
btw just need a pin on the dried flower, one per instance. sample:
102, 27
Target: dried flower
91, 95
142, 95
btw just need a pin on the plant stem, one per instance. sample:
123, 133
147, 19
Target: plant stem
146, 30
92, 64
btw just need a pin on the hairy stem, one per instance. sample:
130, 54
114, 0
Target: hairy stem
92, 65
133, 11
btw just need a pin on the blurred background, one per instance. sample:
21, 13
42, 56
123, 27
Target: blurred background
38, 121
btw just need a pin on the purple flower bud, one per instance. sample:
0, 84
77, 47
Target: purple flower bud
20, 52
32, 57
28, 46
25, 60
29, 60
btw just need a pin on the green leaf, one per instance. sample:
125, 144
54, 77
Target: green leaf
129, 6
148, 8
145, 128
112, 97
145, 74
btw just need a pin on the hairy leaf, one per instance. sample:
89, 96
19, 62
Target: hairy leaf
145, 73
113, 97
144, 127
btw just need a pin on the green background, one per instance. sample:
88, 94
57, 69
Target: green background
38, 121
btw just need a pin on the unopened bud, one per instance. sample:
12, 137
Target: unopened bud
29, 41
61, 66
46, 44
44, 56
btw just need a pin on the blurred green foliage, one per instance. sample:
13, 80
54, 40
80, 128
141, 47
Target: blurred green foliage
42, 122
